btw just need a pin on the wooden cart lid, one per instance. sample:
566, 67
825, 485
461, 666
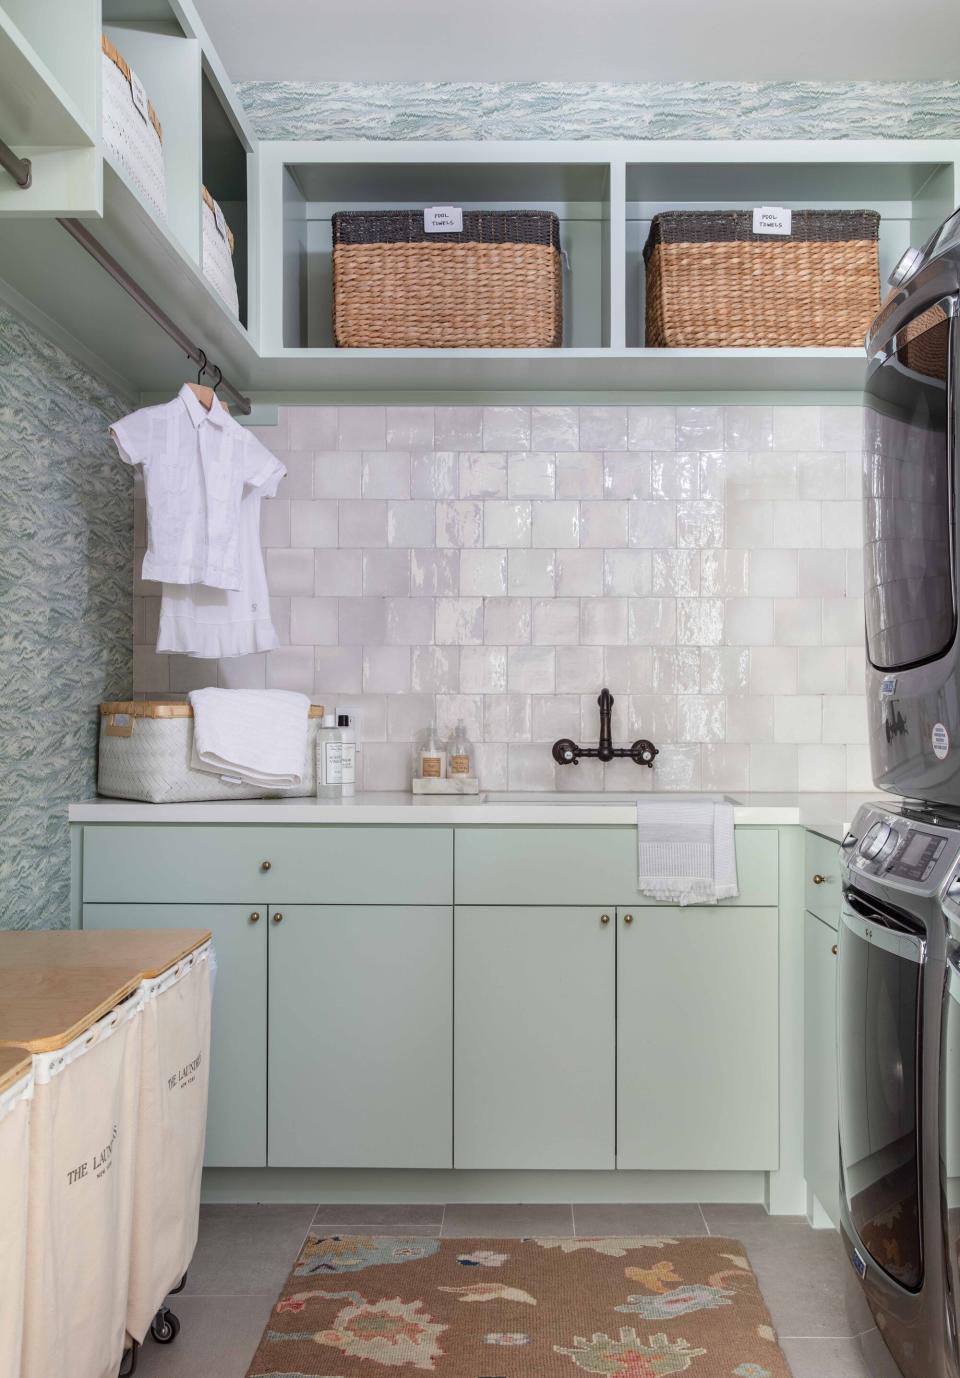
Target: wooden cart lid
15, 1064
55, 984
154, 708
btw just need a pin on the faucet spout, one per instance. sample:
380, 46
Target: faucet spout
605, 702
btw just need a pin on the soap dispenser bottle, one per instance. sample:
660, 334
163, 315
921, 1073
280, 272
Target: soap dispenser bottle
329, 759
349, 749
433, 757
459, 752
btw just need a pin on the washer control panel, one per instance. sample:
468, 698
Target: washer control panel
903, 850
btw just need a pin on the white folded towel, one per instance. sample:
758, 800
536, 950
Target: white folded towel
686, 851
256, 736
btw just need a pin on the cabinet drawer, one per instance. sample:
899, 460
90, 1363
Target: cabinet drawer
309, 864
595, 865
823, 879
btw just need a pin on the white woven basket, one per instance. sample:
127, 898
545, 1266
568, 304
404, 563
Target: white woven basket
145, 753
218, 253
135, 139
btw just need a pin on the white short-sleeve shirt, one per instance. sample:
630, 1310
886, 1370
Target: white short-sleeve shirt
196, 466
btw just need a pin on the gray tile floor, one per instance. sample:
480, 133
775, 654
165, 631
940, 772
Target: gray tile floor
245, 1253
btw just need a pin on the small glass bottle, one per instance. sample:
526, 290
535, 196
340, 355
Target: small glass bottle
329, 759
459, 752
433, 756
349, 748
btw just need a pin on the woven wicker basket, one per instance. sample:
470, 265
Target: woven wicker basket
712, 282
217, 252
496, 285
146, 753
135, 142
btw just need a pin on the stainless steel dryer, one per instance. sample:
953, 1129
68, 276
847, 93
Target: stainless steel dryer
910, 526
898, 1046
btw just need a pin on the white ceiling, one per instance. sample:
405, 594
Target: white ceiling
586, 40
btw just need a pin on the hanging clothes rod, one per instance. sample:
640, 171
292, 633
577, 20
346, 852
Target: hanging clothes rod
19, 168
95, 249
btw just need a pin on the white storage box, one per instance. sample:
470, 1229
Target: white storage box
16, 1093
146, 749
174, 1078
83, 1128
131, 130
217, 259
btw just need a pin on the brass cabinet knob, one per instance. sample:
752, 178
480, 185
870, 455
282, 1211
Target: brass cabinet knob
604, 918
278, 918
819, 879
835, 949
265, 865
255, 916
628, 918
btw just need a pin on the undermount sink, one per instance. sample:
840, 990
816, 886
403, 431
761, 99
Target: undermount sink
612, 797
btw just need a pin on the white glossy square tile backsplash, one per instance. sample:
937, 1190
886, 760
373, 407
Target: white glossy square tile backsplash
501, 564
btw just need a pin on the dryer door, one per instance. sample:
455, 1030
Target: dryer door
880, 979
907, 490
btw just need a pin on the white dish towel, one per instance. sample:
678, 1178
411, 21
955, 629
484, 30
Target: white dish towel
254, 736
685, 851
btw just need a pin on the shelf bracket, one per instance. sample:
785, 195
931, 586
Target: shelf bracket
20, 169
109, 264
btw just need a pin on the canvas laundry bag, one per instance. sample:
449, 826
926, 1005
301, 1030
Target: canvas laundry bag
172, 1121
15, 1104
80, 1207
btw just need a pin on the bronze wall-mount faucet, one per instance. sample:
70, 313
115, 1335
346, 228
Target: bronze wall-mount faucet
568, 753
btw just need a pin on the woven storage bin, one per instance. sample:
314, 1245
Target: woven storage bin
217, 258
712, 282
495, 285
145, 752
136, 143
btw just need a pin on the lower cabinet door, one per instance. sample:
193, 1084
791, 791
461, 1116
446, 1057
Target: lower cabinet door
534, 994
361, 1036
237, 1111
697, 1038
821, 1152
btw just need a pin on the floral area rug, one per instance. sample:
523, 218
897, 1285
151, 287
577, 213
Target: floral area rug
362, 1306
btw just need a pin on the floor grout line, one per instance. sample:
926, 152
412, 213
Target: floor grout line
703, 1217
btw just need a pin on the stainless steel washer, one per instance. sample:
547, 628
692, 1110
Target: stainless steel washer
898, 1047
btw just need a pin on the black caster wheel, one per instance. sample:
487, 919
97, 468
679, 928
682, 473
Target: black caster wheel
165, 1328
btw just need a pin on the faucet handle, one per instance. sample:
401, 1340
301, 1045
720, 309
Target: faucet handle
643, 752
566, 752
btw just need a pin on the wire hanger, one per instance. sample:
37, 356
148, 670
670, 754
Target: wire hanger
204, 395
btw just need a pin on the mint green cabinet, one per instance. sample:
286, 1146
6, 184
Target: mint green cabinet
821, 1154
272, 864
237, 1112
534, 1037
697, 1038
361, 1030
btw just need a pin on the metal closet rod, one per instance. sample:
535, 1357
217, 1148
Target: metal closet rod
19, 168
95, 249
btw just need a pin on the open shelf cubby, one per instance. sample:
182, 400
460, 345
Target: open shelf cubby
911, 197
149, 37
579, 193
225, 154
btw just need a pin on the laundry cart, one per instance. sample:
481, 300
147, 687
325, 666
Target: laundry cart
16, 1093
174, 1077
76, 1001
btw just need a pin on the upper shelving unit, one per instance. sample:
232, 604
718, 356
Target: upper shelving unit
278, 199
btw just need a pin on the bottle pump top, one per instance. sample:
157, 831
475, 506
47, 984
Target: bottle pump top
328, 720
343, 720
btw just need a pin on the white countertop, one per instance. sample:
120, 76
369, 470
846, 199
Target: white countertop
828, 814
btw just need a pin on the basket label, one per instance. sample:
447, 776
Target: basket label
138, 93
443, 220
119, 725
771, 220
219, 221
